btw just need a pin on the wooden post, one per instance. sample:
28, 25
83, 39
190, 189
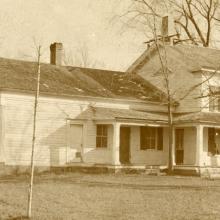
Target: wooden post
174, 148
116, 143
199, 145
2, 133
34, 136
171, 133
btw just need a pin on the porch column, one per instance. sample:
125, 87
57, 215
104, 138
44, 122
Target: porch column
199, 145
116, 143
2, 133
174, 147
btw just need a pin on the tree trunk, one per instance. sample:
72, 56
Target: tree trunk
171, 148
34, 137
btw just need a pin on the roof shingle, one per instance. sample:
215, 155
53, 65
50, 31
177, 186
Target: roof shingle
61, 80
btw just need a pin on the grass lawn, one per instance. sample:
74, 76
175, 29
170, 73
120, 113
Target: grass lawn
108, 196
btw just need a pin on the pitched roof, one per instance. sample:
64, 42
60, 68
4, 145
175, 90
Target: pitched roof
21, 75
202, 117
182, 62
189, 57
98, 113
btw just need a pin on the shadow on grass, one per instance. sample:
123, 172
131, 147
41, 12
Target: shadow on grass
15, 178
45, 177
18, 218
135, 186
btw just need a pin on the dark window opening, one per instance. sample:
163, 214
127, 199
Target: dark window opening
213, 141
151, 138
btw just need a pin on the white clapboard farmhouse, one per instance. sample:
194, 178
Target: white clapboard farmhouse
90, 117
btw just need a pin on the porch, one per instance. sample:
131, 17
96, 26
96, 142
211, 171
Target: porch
120, 138
197, 142
205, 136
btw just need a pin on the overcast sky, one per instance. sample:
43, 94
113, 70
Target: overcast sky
72, 22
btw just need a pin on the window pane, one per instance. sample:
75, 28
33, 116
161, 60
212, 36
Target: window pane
148, 138
142, 138
148, 144
153, 132
160, 139
104, 130
152, 143
99, 129
98, 142
214, 98
104, 141
101, 136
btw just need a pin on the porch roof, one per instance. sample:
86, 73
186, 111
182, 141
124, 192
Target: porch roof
106, 114
98, 113
202, 117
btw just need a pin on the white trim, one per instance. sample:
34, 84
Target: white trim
112, 121
80, 97
210, 70
76, 121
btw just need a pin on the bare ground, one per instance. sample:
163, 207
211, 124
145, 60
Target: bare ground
107, 197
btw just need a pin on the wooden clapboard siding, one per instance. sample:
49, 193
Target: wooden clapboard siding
51, 141
180, 85
149, 156
51, 134
97, 155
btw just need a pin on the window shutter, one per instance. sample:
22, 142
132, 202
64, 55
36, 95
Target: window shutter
160, 139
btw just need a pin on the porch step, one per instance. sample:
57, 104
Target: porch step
103, 168
154, 170
210, 172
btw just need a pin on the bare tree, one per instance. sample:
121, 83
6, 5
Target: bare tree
34, 133
166, 78
81, 57
146, 13
195, 20
197, 17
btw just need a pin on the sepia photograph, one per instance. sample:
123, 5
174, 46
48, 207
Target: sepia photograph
110, 110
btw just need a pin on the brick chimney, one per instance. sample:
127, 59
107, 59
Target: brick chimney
167, 28
56, 53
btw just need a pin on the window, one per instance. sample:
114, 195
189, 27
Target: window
151, 138
214, 98
179, 139
213, 141
101, 136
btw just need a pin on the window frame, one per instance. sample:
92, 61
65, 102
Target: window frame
102, 136
214, 100
147, 136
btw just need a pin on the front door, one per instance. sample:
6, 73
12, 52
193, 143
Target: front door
179, 143
125, 145
76, 143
